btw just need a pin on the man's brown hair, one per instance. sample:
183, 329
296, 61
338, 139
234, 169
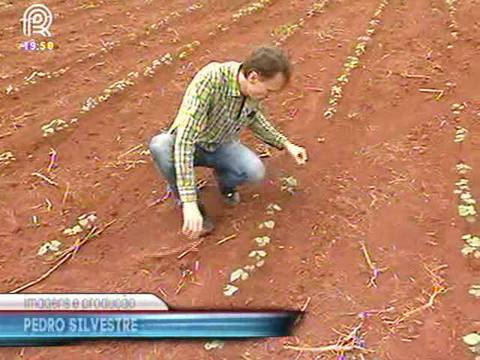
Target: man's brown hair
267, 61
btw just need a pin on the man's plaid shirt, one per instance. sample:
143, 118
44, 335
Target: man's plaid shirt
213, 111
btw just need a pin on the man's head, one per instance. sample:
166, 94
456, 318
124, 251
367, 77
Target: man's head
265, 71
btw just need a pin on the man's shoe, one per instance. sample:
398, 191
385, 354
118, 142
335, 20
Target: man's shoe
231, 197
208, 225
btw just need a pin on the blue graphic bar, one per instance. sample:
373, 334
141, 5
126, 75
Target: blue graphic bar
49, 328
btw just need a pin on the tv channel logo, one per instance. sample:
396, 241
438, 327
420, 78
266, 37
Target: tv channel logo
37, 19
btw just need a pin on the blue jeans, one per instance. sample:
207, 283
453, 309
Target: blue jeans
233, 163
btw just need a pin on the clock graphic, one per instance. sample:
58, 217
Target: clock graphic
33, 45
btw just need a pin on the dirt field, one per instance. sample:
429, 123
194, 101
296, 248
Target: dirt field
380, 179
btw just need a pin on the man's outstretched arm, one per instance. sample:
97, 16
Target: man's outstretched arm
266, 132
190, 121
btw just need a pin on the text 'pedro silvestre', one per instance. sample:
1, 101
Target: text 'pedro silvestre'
80, 325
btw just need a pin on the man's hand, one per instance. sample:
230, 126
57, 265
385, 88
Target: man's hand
192, 220
297, 152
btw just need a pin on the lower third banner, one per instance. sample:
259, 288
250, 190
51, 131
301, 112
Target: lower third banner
48, 328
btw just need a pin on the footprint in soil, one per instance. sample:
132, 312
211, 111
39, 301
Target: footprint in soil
8, 222
473, 264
